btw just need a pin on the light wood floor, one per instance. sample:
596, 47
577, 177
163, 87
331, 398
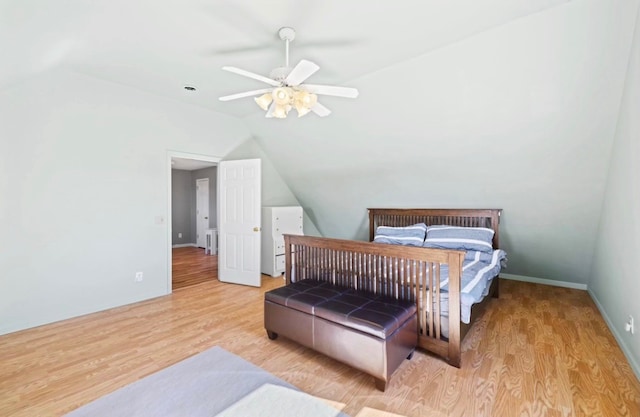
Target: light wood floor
539, 351
191, 266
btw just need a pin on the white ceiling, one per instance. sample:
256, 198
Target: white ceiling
160, 47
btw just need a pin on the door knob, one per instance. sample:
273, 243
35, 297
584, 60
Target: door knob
206, 218
256, 229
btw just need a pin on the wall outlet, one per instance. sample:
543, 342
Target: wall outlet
629, 326
139, 276
179, 235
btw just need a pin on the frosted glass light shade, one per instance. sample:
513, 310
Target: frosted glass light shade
279, 111
304, 101
264, 101
305, 98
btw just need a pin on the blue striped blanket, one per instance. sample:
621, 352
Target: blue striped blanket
478, 269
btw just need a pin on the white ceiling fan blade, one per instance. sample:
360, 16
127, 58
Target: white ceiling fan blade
331, 90
245, 94
252, 75
301, 72
269, 113
320, 110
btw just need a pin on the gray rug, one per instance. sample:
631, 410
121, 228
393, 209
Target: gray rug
209, 383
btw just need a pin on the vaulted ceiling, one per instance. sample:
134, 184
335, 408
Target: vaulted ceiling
162, 46
510, 104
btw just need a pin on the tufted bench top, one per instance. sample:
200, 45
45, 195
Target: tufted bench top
370, 313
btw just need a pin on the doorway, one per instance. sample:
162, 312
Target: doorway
192, 210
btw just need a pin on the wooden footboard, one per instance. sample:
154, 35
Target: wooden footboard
401, 272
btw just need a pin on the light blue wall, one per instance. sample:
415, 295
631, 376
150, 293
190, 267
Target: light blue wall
90, 207
615, 277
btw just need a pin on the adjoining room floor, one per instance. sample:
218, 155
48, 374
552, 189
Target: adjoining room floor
191, 266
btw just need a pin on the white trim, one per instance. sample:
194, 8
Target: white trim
184, 245
185, 155
188, 155
552, 282
623, 346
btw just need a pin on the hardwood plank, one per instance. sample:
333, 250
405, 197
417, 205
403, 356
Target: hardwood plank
538, 351
191, 266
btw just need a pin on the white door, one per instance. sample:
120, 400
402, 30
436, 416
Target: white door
239, 225
202, 211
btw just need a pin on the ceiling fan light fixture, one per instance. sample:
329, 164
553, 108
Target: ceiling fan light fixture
282, 95
264, 101
304, 101
288, 88
279, 112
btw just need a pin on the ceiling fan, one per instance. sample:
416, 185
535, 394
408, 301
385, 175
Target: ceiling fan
287, 90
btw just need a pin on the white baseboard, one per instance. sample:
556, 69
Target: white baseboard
632, 361
184, 245
551, 282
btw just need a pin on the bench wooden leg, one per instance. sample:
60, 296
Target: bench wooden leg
272, 335
381, 384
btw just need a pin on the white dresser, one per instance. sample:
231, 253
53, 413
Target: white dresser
277, 221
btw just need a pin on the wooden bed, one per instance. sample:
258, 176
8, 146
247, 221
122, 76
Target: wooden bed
410, 273
489, 218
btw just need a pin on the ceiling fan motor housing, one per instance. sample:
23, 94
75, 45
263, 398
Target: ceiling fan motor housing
280, 74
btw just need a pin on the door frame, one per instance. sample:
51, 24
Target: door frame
183, 155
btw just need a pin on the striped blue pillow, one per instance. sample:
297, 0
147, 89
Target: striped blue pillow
410, 235
460, 238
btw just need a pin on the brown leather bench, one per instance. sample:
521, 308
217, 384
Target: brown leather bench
367, 331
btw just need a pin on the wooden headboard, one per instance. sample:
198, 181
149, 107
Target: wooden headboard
398, 217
